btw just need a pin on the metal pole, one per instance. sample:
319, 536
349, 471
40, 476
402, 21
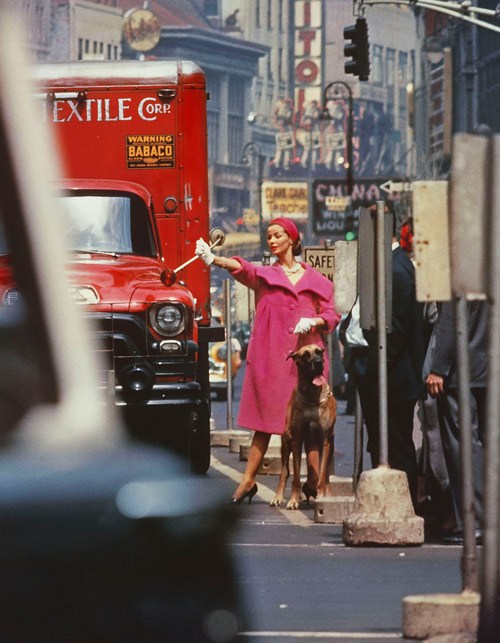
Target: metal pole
329, 244
381, 334
350, 129
358, 442
330, 348
255, 152
350, 169
229, 346
469, 552
259, 205
490, 614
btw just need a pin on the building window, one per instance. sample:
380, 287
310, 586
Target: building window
269, 67
391, 67
212, 136
87, 46
115, 52
236, 107
257, 13
211, 8
377, 69
213, 118
402, 69
280, 16
80, 48
269, 104
269, 15
39, 18
280, 64
109, 52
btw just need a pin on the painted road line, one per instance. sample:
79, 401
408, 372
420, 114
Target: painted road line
360, 636
295, 516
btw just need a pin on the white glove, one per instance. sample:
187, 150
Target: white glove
203, 251
304, 325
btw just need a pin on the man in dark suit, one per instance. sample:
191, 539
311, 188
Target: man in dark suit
441, 383
405, 356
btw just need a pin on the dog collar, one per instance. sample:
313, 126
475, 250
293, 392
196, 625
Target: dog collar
323, 399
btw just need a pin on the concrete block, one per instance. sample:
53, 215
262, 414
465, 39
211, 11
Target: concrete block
333, 510
220, 438
341, 486
236, 441
383, 512
463, 637
273, 450
434, 615
271, 465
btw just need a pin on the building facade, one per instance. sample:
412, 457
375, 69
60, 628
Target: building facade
36, 16
85, 30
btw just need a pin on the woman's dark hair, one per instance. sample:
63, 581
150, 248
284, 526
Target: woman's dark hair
296, 248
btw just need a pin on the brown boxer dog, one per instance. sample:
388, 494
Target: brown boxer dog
310, 420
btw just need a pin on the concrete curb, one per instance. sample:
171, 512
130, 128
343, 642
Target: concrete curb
333, 510
448, 615
221, 438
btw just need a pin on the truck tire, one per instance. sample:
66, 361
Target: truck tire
200, 443
162, 426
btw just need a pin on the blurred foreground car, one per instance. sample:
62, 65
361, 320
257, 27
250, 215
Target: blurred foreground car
101, 539
217, 366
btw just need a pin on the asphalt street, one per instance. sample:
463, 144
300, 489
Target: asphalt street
300, 581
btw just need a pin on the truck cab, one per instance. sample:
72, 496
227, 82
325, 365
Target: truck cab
132, 142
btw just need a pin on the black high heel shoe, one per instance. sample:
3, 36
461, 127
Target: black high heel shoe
308, 492
248, 494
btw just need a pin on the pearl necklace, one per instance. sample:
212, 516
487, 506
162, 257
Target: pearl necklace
291, 271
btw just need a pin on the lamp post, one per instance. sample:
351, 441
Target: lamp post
325, 116
254, 150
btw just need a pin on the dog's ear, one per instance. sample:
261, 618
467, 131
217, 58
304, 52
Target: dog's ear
293, 356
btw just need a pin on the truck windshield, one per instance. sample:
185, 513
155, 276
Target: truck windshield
110, 223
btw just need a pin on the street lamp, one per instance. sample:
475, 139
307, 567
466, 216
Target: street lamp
325, 116
254, 150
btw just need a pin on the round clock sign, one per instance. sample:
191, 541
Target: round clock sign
141, 29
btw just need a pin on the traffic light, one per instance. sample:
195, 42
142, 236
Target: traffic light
358, 49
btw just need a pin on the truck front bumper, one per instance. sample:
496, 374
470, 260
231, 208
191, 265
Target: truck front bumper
175, 394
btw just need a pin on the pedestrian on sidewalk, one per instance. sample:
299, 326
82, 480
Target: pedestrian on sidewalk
434, 500
442, 384
294, 307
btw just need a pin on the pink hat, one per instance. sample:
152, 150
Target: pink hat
288, 225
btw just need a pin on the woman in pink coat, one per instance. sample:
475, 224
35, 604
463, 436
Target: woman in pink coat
294, 307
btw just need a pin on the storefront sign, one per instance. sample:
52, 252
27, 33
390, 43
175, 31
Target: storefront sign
334, 213
280, 199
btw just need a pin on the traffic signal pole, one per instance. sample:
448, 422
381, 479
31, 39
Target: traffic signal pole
350, 130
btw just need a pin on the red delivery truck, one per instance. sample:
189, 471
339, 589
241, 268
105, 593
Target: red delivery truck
134, 193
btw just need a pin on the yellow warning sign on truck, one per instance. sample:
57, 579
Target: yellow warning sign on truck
150, 152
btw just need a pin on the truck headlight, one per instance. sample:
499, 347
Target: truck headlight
168, 320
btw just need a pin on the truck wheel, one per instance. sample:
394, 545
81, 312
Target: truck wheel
161, 426
200, 444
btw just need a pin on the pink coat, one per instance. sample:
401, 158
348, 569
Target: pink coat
269, 377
